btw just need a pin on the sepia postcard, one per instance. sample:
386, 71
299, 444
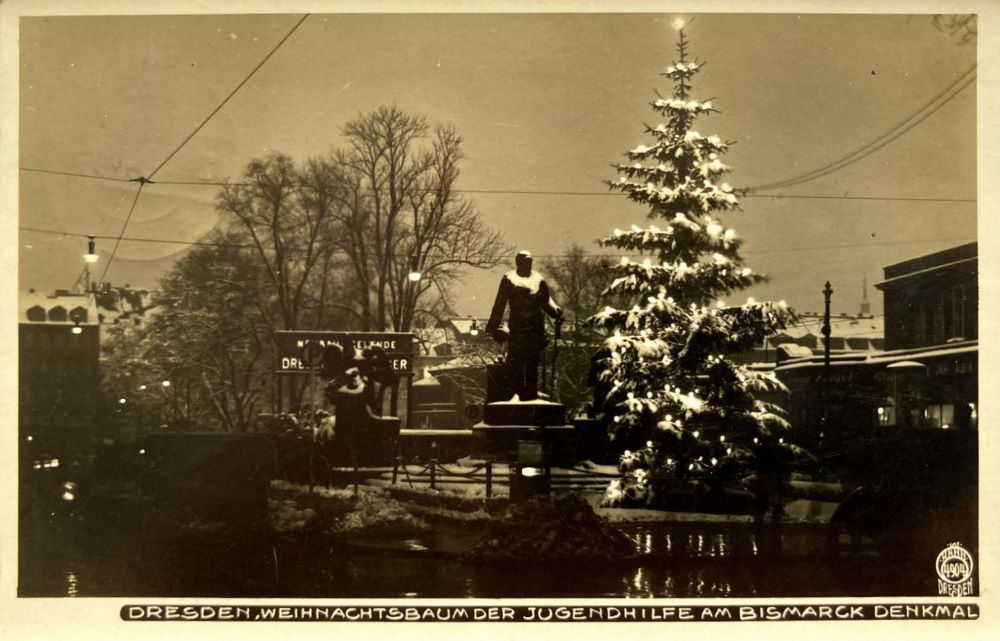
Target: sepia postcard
643, 317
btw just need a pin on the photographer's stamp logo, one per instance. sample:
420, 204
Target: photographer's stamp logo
954, 569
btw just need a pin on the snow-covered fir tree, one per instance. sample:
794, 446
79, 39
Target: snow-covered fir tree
680, 404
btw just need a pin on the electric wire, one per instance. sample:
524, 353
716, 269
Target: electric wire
135, 239
231, 94
118, 241
871, 147
74, 174
144, 180
57, 232
530, 192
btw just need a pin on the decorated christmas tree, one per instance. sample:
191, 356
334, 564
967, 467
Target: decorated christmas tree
680, 404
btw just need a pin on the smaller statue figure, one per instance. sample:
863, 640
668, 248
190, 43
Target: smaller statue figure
527, 294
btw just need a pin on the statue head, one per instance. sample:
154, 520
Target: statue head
523, 263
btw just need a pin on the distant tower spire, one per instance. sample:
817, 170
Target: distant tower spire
866, 308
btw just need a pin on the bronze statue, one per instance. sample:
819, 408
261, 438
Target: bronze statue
528, 296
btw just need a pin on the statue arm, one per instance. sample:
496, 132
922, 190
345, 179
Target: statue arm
548, 304
499, 305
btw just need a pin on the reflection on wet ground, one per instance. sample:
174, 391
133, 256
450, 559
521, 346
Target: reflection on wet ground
679, 560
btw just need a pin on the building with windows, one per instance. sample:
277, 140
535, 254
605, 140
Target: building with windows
932, 299
58, 371
59, 348
927, 376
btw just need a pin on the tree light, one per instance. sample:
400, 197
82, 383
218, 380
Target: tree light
678, 23
166, 383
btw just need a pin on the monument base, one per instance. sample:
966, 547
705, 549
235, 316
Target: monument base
499, 442
529, 413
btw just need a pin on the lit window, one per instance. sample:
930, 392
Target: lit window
887, 413
939, 415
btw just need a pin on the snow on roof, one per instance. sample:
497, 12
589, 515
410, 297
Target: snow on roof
66, 300
464, 325
840, 327
882, 358
73, 300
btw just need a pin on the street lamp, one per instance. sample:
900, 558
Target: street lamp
414, 274
76, 327
474, 330
89, 259
91, 255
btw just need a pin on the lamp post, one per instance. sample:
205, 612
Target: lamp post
89, 259
825, 389
827, 291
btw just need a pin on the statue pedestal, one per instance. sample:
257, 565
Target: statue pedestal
507, 422
535, 413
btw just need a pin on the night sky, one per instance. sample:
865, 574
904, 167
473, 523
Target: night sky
544, 102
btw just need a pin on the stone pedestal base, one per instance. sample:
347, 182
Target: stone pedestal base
500, 441
507, 422
530, 413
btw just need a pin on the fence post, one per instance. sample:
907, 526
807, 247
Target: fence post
433, 476
489, 479
395, 471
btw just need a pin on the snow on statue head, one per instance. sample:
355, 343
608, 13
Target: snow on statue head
523, 263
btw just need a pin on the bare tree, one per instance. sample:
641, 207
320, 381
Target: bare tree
287, 215
401, 212
578, 281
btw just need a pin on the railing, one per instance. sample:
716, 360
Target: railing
432, 473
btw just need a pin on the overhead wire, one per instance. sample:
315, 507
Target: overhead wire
144, 180
118, 241
250, 245
527, 192
872, 146
231, 94
940, 99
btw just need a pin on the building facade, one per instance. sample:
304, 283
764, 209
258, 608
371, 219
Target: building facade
927, 377
932, 299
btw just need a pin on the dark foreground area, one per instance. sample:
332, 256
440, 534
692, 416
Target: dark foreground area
674, 560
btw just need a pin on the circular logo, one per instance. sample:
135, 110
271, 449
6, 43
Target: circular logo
954, 564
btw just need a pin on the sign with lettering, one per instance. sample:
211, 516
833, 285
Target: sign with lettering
291, 345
